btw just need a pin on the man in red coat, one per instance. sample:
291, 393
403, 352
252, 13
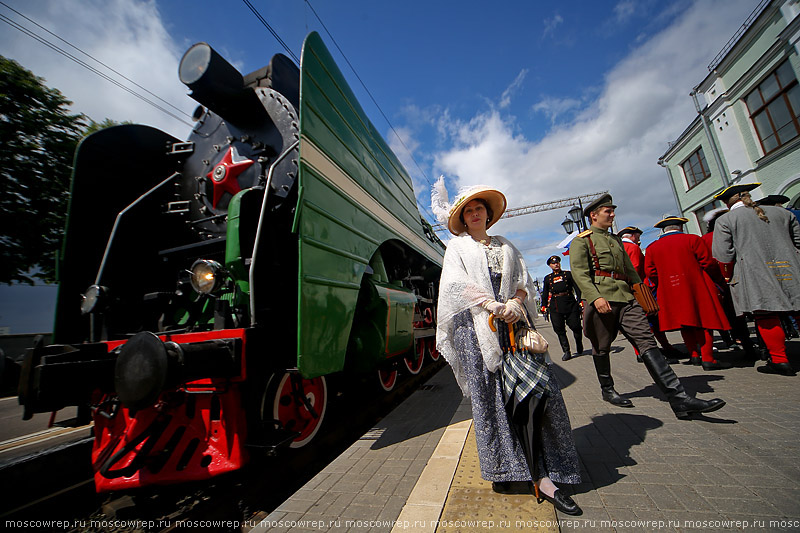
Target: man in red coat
631, 239
676, 263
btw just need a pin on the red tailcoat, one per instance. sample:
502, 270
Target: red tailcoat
637, 257
677, 264
714, 270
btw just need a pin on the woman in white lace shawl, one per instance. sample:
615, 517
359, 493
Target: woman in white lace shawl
522, 430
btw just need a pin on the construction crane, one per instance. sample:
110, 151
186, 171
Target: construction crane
543, 206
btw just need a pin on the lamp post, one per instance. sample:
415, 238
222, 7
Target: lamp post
574, 219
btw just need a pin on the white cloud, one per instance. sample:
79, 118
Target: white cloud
553, 107
624, 10
505, 98
127, 36
551, 24
612, 144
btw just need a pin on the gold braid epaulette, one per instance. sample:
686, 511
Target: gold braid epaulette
585, 233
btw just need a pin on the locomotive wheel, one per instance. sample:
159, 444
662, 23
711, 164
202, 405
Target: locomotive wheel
414, 361
432, 351
298, 404
387, 379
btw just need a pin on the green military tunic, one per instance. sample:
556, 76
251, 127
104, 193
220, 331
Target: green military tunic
612, 257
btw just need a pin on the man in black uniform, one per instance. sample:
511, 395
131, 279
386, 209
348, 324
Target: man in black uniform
559, 300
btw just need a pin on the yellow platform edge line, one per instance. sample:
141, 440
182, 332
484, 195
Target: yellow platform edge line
424, 506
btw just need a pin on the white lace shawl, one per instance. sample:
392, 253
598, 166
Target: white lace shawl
465, 284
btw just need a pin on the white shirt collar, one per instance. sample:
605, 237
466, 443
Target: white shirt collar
737, 205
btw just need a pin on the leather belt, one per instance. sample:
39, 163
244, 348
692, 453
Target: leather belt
561, 293
612, 275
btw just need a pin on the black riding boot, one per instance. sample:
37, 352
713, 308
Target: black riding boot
564, 341
602, 365
663, 376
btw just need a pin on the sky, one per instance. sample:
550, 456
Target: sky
541, 99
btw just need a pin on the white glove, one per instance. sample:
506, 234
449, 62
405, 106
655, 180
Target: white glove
496, 308
514, 311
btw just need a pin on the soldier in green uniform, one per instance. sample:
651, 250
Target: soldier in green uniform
604, 273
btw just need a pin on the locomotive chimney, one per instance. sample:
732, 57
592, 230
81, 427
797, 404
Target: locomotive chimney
216, 84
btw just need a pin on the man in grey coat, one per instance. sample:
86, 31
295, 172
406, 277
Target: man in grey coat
758, 248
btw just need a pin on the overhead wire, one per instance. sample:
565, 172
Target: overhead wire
271, 30
352, 68
96, 60
289, 51
87, 66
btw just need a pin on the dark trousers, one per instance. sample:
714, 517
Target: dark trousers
602, 328
571, 319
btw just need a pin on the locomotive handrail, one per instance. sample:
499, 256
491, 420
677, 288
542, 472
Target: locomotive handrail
260, 225
119, 217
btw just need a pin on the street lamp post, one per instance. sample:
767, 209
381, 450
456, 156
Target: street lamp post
575, 219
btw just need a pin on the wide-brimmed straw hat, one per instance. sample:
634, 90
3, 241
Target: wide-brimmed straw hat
494, 198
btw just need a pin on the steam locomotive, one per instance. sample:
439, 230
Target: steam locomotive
208, 288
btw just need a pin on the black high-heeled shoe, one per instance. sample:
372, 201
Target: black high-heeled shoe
562, 502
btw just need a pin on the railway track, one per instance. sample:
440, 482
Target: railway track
236, 499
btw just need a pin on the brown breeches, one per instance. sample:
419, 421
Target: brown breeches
601, 328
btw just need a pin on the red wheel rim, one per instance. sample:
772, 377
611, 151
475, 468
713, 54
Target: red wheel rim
292, 411
387, 379
434, 353
414, 362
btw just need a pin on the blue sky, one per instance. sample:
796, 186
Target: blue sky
543, 100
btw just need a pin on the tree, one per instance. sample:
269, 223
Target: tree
38, 137
97, 126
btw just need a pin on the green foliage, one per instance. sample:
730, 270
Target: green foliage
38, 137
97, 126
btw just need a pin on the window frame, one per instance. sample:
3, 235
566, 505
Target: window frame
702, 162
783, 94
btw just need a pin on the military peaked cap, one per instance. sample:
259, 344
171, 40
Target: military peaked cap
726, 193
603, 201
553, 259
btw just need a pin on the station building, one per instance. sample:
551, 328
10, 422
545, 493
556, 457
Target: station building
747, 127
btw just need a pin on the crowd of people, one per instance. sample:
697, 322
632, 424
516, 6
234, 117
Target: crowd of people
747, 267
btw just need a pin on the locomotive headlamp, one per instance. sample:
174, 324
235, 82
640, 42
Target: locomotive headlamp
207, 276
92, 299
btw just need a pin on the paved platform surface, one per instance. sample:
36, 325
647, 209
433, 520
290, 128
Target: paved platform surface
737, 469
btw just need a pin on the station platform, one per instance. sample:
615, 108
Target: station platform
737, 469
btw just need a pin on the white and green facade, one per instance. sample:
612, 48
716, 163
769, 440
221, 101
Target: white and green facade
748, 124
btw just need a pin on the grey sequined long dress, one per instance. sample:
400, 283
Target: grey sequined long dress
500, 453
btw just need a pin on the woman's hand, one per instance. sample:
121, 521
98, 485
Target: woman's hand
496, 308
514, 311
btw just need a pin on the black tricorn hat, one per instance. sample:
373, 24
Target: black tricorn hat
603, 201
553, 259
772, 199
628, 229
727, 192
671, 220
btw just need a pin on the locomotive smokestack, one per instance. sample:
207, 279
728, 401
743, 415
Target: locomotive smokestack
216, 84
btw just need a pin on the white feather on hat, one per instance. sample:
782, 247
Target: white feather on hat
714, 213
440, 204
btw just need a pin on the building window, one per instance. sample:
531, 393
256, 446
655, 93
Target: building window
700, 213
695, 168
774, 107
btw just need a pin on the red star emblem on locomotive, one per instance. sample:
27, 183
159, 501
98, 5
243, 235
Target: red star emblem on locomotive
225, 176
